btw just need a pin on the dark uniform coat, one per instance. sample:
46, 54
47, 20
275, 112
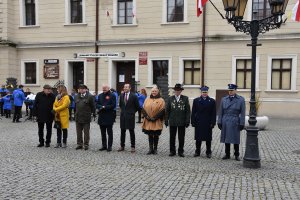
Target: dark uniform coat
85, 107
203, 118
231, 116
106, 114
128, 110
178, 113
42, 107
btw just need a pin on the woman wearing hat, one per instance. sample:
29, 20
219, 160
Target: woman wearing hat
61, 109
153, 112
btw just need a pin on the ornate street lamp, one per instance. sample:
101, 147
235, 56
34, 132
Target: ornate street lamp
234, 14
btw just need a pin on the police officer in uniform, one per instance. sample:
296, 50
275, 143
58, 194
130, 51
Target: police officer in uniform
203, 118
231, 120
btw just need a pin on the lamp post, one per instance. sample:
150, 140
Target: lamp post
234, 14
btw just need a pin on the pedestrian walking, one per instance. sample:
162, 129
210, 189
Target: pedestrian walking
61, 113
231, 120
178, 117
19, 98
129, 105
203, 118
42, 108
153, 112
85, 108
3, 93
141, 97
106, 105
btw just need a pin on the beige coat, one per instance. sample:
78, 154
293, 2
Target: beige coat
153, 106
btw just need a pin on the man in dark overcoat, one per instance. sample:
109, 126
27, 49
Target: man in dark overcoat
203, 118
106, 104
129, 105
85, 108
231, 120
42, 109
178, 113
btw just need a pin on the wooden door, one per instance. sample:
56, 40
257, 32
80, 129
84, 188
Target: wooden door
125, 74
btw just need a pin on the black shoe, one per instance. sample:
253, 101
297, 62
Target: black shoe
40, 145
150, 152
196, 154
109, 149
154, 151
86, 148
181, 155
237, 158
47, 145
78, 147
172, 154
226, 157
103, 149
208, 155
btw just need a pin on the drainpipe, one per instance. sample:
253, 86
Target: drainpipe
96, 46
203, 46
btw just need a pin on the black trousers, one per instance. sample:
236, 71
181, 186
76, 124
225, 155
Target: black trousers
17, 113
27, 107
7, 113
236, 149
1, 108
132, 137
181, 135
41, 132
109, 131
208, 147
140, 115
62, 133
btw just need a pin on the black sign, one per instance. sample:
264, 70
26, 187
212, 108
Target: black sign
51, 61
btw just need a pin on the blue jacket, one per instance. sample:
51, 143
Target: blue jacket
3, 92
72, 99
19, 97
117, 97
141, 99
7, 102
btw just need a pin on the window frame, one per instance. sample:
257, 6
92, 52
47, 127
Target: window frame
293, 73
68, 13
181, 70
266, 2
22, 9
150, 70
233, 72
165, 13
23, 72
244, 71
115, 15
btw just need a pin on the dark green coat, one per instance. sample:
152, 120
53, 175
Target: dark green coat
85, 107
178, 113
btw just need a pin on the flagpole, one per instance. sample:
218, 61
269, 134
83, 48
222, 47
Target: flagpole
216, 9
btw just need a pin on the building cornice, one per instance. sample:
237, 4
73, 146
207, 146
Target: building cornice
7, 43
55, 45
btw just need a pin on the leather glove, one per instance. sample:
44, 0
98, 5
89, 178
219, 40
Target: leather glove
166, 124
241, 127
187, 125
220, 126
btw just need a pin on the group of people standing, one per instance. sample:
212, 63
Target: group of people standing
175, 113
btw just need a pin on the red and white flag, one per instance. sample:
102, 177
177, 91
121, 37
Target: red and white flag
200, 5
296, 12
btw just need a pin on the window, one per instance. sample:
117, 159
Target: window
261, 9
76, 11
175, 10
125, 8
243, 73
192, 74
30, 73
29, 12
160, 69
281, 74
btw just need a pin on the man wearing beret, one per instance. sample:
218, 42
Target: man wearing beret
85, 107
231, 120
203, 118
178, 117
42, 108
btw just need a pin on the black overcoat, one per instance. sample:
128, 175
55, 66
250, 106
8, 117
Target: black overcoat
42, 107
128, 110
203, 118
106, 115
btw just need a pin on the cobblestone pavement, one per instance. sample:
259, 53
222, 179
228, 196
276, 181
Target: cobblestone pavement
28, 172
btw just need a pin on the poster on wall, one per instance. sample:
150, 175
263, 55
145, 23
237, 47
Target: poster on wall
51, 71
